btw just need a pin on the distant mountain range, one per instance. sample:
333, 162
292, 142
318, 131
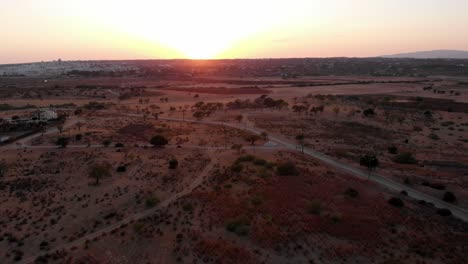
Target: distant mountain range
433, 54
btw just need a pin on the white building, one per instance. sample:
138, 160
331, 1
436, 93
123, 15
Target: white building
45, 114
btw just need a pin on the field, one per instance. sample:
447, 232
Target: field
232, 168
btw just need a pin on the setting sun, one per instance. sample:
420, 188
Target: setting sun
198, 30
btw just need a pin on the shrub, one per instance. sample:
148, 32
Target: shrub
237, 167
122, 168
99, 171
314, 208
151, 202
159, 141
245, 158
260, 162
392, 150
62, 142
3, 168
238, 226
397, 202
369, 161
187, 207
352, 193
434, 136
106, 143
78, 137
405, 158
369, 112
444, 212
287, 168
450, 197
173, 163
119, 145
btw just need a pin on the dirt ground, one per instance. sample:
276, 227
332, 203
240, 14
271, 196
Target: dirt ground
227, 200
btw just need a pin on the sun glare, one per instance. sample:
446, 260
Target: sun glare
197, 29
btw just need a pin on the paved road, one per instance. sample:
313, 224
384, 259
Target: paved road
135, 217
384, 181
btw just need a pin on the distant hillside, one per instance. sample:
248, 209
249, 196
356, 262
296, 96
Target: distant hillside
434, 54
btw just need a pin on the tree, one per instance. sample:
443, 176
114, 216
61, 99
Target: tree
336, 110
99, 171
370, 162
369, 112
159, 141
62, 142
239, 118
79, 125
106, 143
173, 163
3, 168
199, 115
450, 197
300, 138
252, 139
264, 136
60, 127
237, 147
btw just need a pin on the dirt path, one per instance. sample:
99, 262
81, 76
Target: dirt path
135, 217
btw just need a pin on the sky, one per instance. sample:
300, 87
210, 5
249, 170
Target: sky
43, 30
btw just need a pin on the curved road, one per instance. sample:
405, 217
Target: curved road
384, 181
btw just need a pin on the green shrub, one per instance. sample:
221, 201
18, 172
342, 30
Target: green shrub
237, 167
151, 202
286, 169
397, 202
314, 208
405, 158
187, 207
392, 150
434, 136
450, 197
246, 158
238, 226
352, 193
173, 163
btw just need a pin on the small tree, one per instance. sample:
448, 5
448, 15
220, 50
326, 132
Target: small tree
79, 125
264, 136
300, 139
239, 118
60, 127
173, 163
252, 139
3, 168
370, 162
106, 143
159, 141
199, 115
237, 147
99, 171
336, 110
62, 142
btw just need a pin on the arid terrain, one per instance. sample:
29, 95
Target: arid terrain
236, 162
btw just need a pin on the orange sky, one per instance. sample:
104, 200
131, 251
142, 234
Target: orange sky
35, 30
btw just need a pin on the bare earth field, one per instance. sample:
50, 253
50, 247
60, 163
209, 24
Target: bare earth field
220, 191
